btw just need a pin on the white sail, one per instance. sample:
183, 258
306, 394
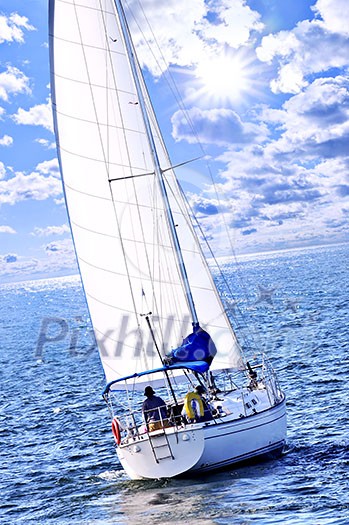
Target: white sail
118, 219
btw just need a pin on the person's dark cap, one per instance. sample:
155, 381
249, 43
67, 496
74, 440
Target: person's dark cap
148, 391
200, 389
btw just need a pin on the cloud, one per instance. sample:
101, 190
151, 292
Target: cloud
335, 15
281, 189
248, 232
230, 23
40, 115
9, 258
13, 81
214, 126
206, 206
2, 170
11, 28
316, 121
295, 51
7, 229
208, 28
51, 230
6, 140
61, 250
34, 186
46, 143
49, 167
57, 261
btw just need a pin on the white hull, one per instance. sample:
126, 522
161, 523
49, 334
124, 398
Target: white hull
236, 441
203, 447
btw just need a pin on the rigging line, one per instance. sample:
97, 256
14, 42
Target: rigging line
181, 164
153, 172
132, 176
146, 111
99, 130
173, 88
216, 261
172, 85
173, 296
167, 74
156, 127
154, 297
136, 198
200, 252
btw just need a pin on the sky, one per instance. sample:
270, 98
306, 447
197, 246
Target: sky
265, 85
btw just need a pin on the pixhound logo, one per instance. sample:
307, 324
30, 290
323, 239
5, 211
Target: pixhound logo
111, 344
56, 329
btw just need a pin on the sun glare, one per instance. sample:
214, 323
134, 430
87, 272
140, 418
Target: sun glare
224, 77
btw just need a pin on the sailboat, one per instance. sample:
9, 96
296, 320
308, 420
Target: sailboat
159, 321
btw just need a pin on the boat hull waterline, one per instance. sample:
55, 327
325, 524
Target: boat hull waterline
204, 447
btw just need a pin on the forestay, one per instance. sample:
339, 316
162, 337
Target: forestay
117, 215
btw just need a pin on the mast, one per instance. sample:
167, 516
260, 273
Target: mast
157, 168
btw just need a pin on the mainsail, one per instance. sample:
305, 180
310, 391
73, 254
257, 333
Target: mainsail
117, 214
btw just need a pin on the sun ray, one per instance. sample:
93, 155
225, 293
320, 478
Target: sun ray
227, 78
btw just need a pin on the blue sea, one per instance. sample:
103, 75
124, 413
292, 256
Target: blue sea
57, 458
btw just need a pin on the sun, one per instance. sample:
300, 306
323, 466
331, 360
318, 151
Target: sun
224, 77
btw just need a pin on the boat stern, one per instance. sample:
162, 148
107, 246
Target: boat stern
162, 454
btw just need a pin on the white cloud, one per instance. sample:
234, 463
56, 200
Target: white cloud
207, 29
314, 46
56, 258
14, 266
282, 44
6, 140
234, 23
7, 229
34, 186
290, 80
335, 15
9, 258
11, 28
40, 115
62, 246
59, 202
61, 254
13, 81
315, 122
49, 167
51, 230
2, 170
46, 143
213, 126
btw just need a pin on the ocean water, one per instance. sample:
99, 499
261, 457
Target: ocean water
57, 458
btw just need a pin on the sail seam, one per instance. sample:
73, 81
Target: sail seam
150, 279
90, 46
154, 299
113, 126
112, 89
102, 234
98, 160
145, 206
85, 7
106, 160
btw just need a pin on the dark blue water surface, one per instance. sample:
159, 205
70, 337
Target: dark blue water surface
57, 458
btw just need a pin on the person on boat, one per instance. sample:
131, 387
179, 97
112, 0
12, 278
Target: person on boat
200, 391
196, 407
154, 410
